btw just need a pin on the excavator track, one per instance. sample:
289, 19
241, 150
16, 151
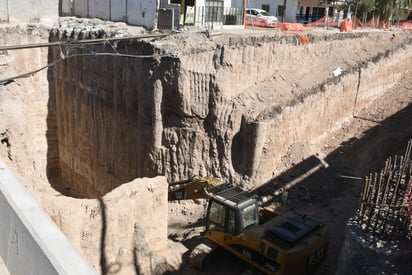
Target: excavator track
202, 254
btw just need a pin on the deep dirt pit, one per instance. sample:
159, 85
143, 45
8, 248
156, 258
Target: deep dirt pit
358, 147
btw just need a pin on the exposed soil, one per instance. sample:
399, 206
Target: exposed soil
360, 146
331, 195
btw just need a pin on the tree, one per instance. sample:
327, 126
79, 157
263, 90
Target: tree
391, 10
387, 10
366, 6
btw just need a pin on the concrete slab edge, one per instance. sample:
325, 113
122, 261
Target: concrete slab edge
30, 242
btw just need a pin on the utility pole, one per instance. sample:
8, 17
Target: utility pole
8, 11
244, 12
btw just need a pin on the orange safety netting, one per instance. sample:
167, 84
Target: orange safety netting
346, 26
325, 21
377, 23
304, 39
293, 28
406, 25
373, 23
285, 27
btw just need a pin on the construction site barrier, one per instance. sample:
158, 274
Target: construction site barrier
376, 23
285, 27
346, 26
325, 21
295, 28
406, 25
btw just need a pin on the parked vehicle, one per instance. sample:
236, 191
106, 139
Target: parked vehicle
260, 18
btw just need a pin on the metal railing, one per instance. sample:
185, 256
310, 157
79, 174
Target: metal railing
215, 15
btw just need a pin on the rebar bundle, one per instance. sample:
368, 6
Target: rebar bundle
386, 201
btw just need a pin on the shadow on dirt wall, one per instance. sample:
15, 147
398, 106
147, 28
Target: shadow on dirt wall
346, 168
356, 157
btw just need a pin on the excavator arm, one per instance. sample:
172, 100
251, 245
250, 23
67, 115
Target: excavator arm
194, 188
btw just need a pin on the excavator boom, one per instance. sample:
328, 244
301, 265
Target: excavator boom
194, 188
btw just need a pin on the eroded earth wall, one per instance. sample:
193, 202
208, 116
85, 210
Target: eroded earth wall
115, 232
227, 106
104, 112
191, 105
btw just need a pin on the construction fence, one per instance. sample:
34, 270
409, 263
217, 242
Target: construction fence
345, 24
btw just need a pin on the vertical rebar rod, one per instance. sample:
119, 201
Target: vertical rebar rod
385, 208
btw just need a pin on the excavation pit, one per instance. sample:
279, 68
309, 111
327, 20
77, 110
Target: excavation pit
81, 132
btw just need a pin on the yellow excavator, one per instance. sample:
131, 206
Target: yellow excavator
271, 238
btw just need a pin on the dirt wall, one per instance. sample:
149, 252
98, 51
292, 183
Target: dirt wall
326, 107
227, 106
116, 232
23, 104
101, 111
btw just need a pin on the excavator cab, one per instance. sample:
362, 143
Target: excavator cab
271, 238
232, 211
275, 241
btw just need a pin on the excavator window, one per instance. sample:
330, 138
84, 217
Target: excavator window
249, 216
221, 217
231, 224
216, 217
231, 218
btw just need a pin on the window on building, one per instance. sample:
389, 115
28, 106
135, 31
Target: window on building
307, 12
266, 7
280, 11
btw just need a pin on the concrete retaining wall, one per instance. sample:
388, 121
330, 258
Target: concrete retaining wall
4, 11
118, 10
133, 12
30, 243
30, 10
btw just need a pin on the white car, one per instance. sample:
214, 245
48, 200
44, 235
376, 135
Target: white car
260, 18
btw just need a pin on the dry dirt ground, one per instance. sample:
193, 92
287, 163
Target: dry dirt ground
358, 148
331, 195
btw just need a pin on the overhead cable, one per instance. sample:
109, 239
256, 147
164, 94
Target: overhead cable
76, 42
70, 54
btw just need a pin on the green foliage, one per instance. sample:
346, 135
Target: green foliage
366, 6
387, 10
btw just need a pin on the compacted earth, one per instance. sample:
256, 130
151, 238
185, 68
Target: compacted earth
357, 148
